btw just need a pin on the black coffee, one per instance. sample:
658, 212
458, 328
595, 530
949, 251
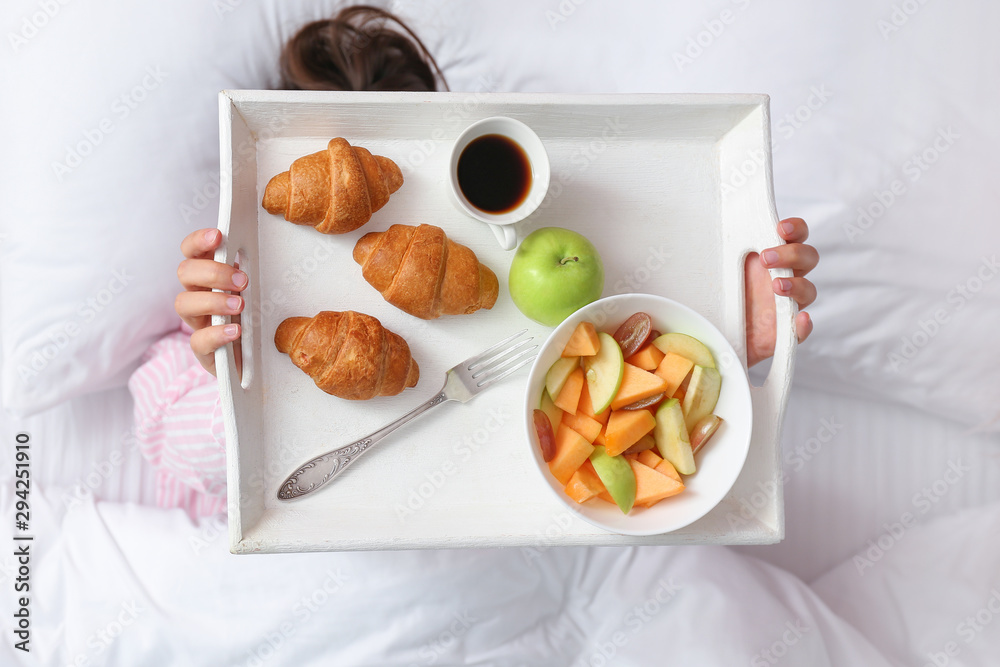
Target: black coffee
494, 173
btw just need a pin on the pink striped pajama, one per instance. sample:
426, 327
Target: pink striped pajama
178, 422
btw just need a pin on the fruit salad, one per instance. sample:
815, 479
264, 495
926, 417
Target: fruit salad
623, 415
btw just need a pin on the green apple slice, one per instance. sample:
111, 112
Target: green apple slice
702, 394
617, 476
558, 372
551, 411
604, 372
671, 436
686, 346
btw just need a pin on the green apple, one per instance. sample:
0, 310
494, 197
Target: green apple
687, 347
604, 372
555, 378
671, 436
554, 414
617, 476
702, 394
555, 272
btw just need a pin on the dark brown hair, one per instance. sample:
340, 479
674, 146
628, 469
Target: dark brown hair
356, 50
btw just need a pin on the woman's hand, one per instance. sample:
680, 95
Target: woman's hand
199, 275
760, 288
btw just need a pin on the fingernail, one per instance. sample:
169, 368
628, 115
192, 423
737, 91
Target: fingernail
239, 279
210, 236
784, 284
769, 256
230, 330
786, 228
233, 302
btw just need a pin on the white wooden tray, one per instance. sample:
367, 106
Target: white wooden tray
674, 190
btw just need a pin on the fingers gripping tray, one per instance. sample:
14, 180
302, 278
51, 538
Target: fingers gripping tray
674, 191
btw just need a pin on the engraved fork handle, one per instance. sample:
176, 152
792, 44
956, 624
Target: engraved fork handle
320, 470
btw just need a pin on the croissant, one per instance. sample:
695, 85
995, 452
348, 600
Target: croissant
350, 355
424, 273
335, 190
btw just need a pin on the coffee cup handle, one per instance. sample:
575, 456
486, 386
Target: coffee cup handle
506, 235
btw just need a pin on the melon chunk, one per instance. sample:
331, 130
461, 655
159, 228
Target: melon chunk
583, 342
569, 396
674, 369
649, 458
584, 484
625, 428
637, 384
572, 449
648, 358
582, 424
652, 486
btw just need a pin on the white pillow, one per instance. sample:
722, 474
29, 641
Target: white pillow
110, 159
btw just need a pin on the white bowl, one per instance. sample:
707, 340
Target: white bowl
721, 460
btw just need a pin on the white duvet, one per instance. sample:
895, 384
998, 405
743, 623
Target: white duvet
115, 584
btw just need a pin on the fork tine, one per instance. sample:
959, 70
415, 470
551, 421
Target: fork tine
472, 362
500, 357
501, 365
496, 378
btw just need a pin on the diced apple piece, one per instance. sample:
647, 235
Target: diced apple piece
671, 437
548, 406
557, 374
644, 444
648, 358
701, 396
604, 373
674, 369
625, 428
583, 343
572, 449
582, 424
652, 486
686, 346
617, 476
637, 384
586, 406
569, 398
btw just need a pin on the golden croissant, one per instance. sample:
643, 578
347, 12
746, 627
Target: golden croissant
335, 190
423, 272
348, 354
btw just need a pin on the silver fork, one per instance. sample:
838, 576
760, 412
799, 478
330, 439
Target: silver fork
461, 383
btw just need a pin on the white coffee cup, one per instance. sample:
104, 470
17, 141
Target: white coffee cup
502, 223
